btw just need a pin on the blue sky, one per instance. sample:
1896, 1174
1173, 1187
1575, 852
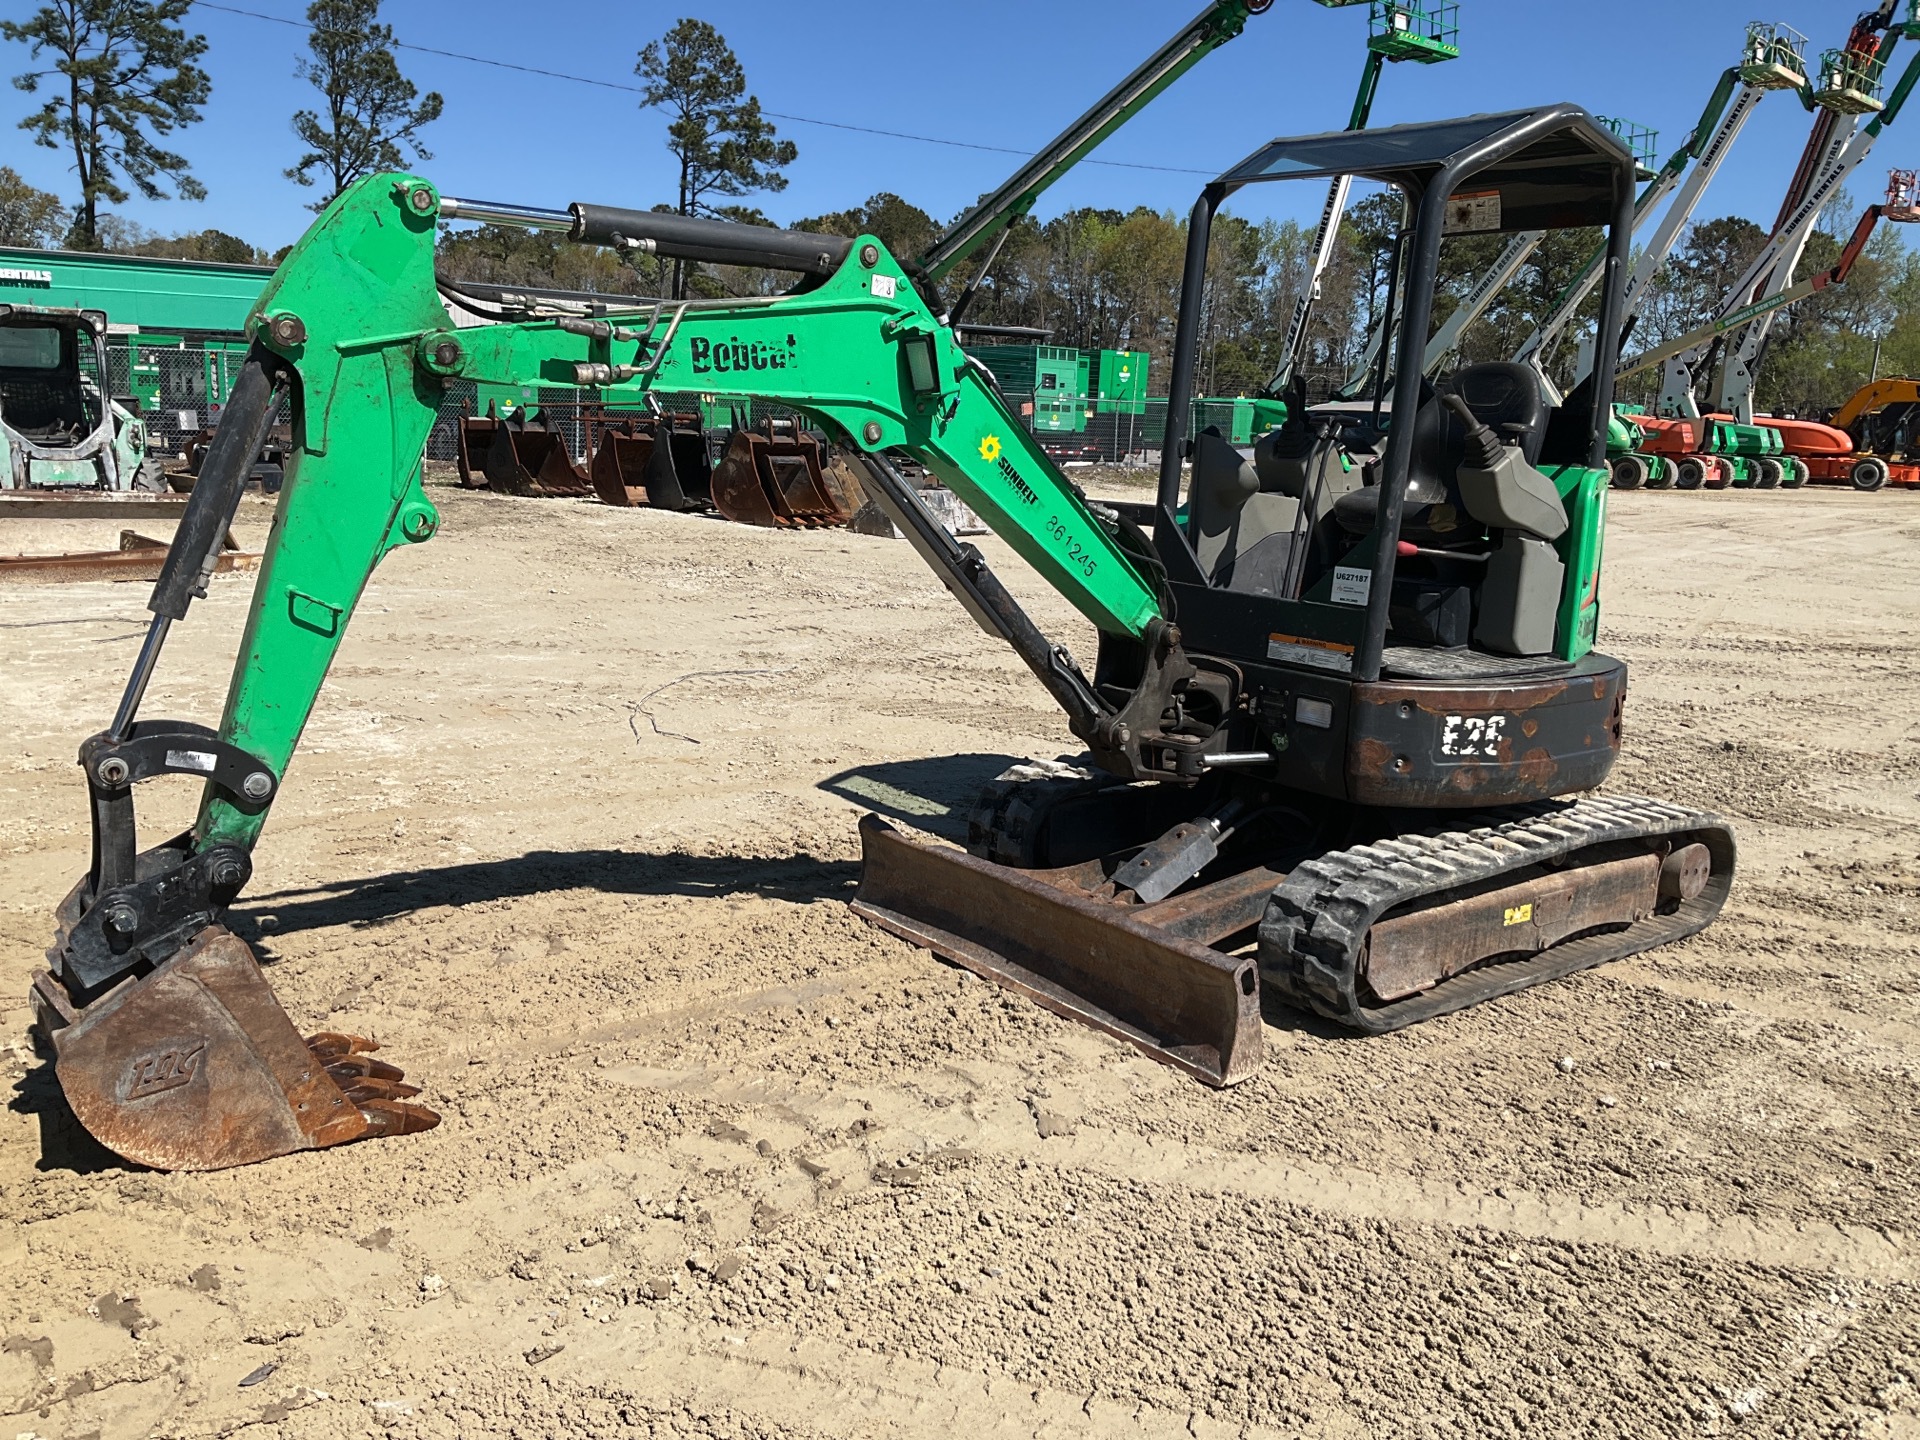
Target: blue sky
992, 72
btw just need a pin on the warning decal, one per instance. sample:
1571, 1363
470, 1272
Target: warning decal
1305, 650
1470, 212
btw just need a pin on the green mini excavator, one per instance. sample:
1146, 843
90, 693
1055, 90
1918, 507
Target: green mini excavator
1344, 693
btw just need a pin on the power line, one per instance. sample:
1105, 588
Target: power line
775, 114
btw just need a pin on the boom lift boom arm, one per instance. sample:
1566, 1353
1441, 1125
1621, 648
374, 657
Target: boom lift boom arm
1213, 27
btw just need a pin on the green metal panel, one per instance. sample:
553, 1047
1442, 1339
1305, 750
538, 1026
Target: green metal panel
1120, 382
1012, 365
1584, 493
147, 294
1058, 373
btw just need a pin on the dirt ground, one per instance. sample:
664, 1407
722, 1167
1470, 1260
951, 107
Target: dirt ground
572, 833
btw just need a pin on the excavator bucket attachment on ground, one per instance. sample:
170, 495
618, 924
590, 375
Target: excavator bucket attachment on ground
477, 434
194, 1066
631, 467
540, 462
1146, 976
774, 476
512, 455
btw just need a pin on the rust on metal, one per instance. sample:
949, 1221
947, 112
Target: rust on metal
630, 465
513, 455
1414, 951
195, 1066
1415, 743
775, 476
1214, 913
139, 557
104, 504
1684, 873
1091, 960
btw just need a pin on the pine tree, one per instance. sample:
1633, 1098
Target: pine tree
126, 79
370, 109
725, 146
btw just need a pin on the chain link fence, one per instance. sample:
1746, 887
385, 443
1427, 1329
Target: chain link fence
179, 391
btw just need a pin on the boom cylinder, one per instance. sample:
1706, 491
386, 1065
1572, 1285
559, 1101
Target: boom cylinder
721, 242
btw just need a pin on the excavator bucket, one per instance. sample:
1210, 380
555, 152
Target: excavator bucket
194, 1066
1147, 977
775, 476
631, 467
536, 462
477, 434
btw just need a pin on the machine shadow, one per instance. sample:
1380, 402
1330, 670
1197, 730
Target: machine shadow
375, 899
934, 794
64, 1141
931, 794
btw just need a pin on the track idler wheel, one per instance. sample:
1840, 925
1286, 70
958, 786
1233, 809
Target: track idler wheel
195, 1066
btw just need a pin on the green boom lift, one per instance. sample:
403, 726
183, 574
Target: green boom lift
1333, 721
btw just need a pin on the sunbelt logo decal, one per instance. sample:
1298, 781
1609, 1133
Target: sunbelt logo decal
721, 357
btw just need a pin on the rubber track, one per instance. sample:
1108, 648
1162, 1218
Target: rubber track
1318, 917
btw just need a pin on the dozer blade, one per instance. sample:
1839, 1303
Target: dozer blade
1178, 1001
195, 1066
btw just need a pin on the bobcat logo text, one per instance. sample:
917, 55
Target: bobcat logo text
720, 357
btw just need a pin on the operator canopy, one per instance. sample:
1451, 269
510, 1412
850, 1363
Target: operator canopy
1548, 168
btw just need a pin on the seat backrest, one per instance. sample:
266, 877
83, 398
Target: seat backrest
1241, 536
1498, 393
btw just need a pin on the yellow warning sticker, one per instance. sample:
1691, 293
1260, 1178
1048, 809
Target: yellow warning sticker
990, 449
1518, 914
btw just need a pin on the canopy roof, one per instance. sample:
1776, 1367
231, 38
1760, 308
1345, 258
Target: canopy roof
1546, 168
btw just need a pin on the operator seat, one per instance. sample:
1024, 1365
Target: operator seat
1502, 395
43, 403
1241, 532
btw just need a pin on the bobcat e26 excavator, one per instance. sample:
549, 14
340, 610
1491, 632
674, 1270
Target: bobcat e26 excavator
1339, 698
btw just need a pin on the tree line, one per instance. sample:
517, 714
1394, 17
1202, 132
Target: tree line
121, 77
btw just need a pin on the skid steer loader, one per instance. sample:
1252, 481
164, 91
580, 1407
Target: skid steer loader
60, 428
1341, 698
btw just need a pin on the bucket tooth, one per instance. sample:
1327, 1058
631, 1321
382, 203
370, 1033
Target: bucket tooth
195, 1066
1173, 998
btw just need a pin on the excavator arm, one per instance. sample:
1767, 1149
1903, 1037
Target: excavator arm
353, 316
353, 332
1875, 396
